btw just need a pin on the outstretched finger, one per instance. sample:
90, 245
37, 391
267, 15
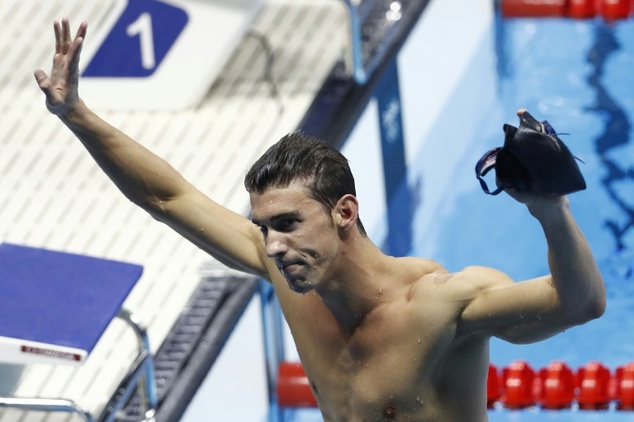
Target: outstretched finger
73, 59
81, 31
66, 41
58, 37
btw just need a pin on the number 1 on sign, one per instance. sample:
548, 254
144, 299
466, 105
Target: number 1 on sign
143, 28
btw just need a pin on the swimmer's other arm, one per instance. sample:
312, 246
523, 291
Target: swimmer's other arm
537, 309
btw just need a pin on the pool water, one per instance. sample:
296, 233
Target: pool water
579, 75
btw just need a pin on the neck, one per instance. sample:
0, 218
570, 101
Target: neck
355, 286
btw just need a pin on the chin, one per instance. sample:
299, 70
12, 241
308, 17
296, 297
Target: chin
300, 286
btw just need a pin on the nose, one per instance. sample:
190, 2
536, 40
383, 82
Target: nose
275, 243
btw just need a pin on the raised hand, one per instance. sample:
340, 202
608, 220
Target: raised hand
61, 87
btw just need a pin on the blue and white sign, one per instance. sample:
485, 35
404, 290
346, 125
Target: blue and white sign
139, 40
160, 54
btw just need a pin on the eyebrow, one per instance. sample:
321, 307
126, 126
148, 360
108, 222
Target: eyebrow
278, 217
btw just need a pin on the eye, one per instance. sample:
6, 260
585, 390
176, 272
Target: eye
286, 224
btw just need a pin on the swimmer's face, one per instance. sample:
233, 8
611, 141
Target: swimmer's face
299, 234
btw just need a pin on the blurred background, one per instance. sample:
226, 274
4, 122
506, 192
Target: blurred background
412, 92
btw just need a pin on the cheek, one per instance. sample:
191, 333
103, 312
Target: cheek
320, 245
320, 239
330, 247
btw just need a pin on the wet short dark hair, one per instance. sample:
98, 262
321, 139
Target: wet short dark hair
298, 156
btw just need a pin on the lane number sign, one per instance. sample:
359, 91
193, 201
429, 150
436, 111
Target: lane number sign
161, 54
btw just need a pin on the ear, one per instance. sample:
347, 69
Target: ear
346, 212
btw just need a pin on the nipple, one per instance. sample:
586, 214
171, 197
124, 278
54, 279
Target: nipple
389, 412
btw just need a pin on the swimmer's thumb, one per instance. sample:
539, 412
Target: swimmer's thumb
42, 80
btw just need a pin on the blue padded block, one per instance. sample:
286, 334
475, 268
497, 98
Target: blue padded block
60, 298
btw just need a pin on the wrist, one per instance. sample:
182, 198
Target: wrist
74, 114
544, 207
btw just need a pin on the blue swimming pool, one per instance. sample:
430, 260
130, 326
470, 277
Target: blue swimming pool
579, 75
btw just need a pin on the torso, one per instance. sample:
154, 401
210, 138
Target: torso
405, 362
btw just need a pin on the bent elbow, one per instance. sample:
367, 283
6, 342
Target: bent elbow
593, 308
597, 308
597, 305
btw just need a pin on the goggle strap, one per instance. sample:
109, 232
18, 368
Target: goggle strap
483, 166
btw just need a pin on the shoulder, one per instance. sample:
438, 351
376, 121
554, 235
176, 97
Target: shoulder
421, 265
483, 277
413, 269
461, 286
472, 282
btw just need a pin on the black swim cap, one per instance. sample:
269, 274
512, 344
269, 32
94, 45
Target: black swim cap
533, 159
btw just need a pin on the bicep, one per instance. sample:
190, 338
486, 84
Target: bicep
519, 312
227, 236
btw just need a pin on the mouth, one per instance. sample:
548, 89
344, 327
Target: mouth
288, 267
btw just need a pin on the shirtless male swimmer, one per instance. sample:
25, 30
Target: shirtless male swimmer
383, 338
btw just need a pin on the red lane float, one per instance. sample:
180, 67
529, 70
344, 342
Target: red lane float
624, 391
517, 386
518, 380
494, 387
293, 388
594, 387
532, 8
609, 10
614, 9
556, 386
582, 9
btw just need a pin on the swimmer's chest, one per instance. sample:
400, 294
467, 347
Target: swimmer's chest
392, 353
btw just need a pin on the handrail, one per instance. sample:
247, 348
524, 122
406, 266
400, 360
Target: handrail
359, 71
377, 15
46, 405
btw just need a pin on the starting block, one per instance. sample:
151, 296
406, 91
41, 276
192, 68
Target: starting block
54, 308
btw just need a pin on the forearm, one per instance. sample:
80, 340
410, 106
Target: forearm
142, 176
574, 271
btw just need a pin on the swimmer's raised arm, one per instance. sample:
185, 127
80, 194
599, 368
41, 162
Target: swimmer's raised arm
143, 177
532, 310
